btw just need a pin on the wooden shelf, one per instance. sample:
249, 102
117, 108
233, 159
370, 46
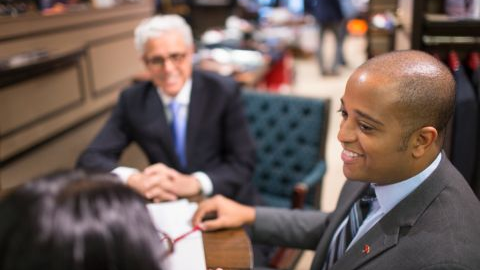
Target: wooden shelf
34, 23
43, 65
427, 29
443, 25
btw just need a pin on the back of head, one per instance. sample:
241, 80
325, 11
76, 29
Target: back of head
76, 221
160, 25
424, 86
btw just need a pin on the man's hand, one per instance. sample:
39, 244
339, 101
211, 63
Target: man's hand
230, 214
136, 181
185, 185
154, 187
164, 183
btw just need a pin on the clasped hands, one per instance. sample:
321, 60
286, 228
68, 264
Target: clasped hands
159, 182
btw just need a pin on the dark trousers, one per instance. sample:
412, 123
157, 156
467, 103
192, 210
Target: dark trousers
338, 29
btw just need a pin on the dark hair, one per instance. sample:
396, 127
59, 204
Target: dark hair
77, 221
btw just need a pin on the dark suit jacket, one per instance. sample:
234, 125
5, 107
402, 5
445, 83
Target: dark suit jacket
435, 227
476, 84
465, 122
218, 142
325, 11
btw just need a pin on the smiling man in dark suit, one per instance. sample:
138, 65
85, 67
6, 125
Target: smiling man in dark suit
420, 212
189, 123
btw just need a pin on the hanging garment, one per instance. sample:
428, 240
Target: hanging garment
474, 65
465, 119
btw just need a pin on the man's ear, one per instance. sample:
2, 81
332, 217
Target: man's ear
423, 140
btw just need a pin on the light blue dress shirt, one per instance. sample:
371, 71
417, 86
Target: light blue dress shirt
388, 196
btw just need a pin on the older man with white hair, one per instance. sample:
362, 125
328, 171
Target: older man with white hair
189, 123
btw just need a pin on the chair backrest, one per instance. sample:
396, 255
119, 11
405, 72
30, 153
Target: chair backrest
290, 135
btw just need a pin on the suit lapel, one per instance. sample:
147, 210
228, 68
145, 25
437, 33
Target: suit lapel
372, 244
155, 108
386, 233
198, 102
348, 197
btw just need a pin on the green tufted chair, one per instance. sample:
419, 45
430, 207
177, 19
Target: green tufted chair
290, 134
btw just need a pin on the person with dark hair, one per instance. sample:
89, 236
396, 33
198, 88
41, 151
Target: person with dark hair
77, 221
404, 205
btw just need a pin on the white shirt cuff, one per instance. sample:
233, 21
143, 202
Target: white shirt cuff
205, 183
124, 173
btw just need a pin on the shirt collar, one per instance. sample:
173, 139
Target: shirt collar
183, 97
389, 196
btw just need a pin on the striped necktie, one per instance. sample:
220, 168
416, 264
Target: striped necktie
178, 127
347, 232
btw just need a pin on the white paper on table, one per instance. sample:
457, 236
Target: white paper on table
175, 218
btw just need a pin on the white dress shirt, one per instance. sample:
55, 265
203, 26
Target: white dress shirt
183, 99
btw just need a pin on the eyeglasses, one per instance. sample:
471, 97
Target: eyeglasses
174, 58
168, 242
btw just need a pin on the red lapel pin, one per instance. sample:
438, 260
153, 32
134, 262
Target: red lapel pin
366, 249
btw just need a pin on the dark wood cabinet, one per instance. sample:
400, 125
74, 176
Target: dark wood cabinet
59, 77
424, 25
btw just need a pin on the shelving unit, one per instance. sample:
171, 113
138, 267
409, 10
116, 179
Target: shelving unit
425, 26
379, 40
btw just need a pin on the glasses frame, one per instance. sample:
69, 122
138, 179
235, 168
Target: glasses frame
170, 242
160, 61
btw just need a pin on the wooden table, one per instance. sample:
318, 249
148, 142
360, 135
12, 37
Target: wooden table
228, 249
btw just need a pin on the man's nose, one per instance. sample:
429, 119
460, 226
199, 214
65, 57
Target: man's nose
168, 64
346, 133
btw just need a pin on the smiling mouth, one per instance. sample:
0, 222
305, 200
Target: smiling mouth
171, 78
349, 156
350, 153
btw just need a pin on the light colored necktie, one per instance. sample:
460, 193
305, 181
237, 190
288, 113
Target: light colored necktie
178, 127
357, 214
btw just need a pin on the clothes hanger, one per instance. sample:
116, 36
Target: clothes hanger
474, 60
453, 60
